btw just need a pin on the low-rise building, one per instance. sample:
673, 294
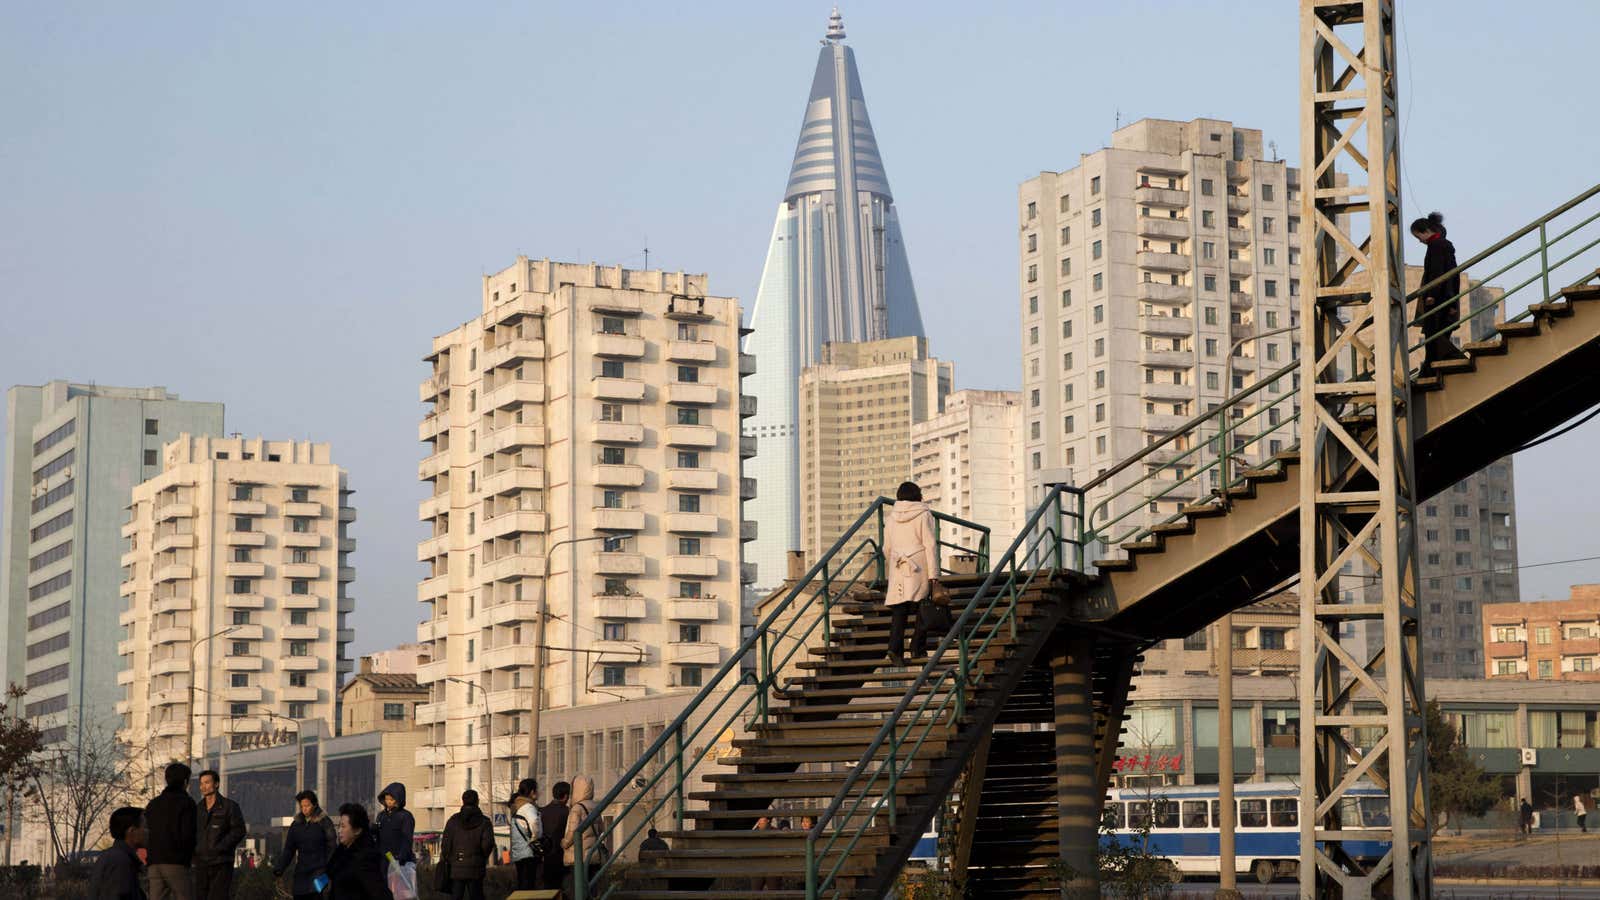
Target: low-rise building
1545, 639
968, 461
379, 701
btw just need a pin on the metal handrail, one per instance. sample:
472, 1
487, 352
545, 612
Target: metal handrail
830, 579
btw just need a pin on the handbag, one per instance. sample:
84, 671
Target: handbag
938, 593
441, 877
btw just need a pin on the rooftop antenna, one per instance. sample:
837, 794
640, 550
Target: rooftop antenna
1273, 146
835, 26
1119, 118
647, 253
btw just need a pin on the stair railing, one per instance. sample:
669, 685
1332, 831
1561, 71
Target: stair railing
936, 701
735, 699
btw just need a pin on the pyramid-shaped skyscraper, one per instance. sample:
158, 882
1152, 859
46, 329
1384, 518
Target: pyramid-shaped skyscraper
836, 270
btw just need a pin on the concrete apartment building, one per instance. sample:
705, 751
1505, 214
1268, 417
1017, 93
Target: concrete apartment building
1544, 640
73, 454
1266, 641
857, 408
379, 701
402, 659
968, 460
584, 451
236, 582
1140, 267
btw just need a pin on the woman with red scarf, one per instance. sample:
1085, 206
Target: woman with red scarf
1439, 308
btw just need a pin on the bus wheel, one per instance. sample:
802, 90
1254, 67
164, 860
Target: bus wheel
1265, 869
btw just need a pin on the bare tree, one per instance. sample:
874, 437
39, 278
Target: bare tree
19, 748
78, 784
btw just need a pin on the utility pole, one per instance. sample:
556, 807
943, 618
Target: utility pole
194, 653
1361, 719
541, 614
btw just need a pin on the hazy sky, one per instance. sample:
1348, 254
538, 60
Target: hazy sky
278, 205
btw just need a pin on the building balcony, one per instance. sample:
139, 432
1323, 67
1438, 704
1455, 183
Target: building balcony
1238, 237
305, 540
299, 632
177, 634
618, 346
1163, 198
614, 519
436, 546
1163, 228
513, 393
703, 437
128, 529
506, 701
509, 481
521, 521
433, 507
1239, 300
691, 609
1163, 262
172, 729
125, 677
747, 406
1168, 359
129, 558
174, 572
619, 563
619, 476
122, 708
692, 351
1156, 292
1241, 267
1166, 391
244, 601
749, 530
300, 601
691, 523
747, 365
125, 648
1168, 326
511, 352
692, 566
619, 607
243, 694
176, 665
302, 509
244, 569
299, 694
512, 567
430, 713
691, 393
127, 588
1579, 646
510, 437
430, 672
247, 507
430, 630
245, 539
300, 570
169, 604
747, 488
614, 301
747, 446
703, 653
346, 605
619, 651
125, 618
1238, 204
433, 466
241, 663
619, 388
1507, 649
177, 541
174, 511
298, 663
1162, 422
692, 479
431, 756
619, 432
433, 386
433, 424
747, 573
513, 612
511, 656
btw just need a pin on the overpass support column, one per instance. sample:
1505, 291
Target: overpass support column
1080, 791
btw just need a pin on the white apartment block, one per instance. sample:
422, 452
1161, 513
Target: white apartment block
236, 583
584, 451
1140, 268
968, 461
857, 408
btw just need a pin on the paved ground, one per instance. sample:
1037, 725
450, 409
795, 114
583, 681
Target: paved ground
1191, 890
1560, 848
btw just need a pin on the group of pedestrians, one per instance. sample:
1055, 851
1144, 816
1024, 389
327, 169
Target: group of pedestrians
188, 845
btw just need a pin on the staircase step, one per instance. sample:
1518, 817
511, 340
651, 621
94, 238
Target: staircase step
1454, 366
1553, 308
1495, 346
1529, 328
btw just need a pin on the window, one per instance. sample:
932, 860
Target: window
1463, 534
238, 709
239, 680
1098, 314
1033, 335
1033, 243
688, 415
299, 648
1209, 282
1066, 298
1546, 668
1033, 210
299, 617
151, 426
1208, 250
611, 412
613, 456
240, 648
689, 374
1271, 288
1034, 430
1253, 813
1066, 234
1033, 305
1269, 257
1033, 397
1266, 226
1033, 274
1211, 346
243, 586
688, 546
1285, 812
1099, 281
1095, 249
614, 631
611, 325
1099, 347
241, 617
690, 589
1196, 641
1094, 185
615, 676
1273, 639
298, 679
1100, 378
300, 586
691, 676
1066, 329
1099, 412
1541, 634
611, 368
300, 525
298, 710
688, 634
1505, 667
394, 712
150, 458
1208, 188
1212, 381
688, 459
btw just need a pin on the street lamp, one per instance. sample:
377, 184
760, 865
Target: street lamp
488, 725
538, 649
1228, 874
194, 649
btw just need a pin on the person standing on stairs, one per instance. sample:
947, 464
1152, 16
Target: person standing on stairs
912, 555
1440, 305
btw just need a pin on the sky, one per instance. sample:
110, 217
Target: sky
277, 206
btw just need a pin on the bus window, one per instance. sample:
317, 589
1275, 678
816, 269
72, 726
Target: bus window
1375, 811
1252, 813
1285, 812
1138, 814
1216, 813
1114, 818
1166, 814
1194, 814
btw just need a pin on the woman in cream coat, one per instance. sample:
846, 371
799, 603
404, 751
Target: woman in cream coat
912, 555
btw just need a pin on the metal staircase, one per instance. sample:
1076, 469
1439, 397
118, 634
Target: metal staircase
808, 721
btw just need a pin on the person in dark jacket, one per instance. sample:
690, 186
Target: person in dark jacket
395, 826
467, 848
219, 827
358, 869
116, 871
1439, 308
553, 818
308, 843
169, 825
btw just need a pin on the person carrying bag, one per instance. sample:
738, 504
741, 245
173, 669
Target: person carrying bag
594, 849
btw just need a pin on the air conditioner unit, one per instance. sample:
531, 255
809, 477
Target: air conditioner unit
1530, 756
